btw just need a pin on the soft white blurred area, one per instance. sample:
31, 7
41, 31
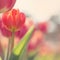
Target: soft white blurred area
41, 10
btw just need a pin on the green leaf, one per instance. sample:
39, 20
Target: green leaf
19, 49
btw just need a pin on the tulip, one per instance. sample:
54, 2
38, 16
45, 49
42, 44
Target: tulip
20, 33
6, 5
13, 20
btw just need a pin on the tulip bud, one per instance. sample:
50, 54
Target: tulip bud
13, 20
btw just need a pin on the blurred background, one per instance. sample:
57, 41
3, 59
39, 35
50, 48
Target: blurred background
45, 41
39, 9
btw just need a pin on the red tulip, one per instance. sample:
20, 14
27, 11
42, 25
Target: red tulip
6, 5
28, 23
13, 20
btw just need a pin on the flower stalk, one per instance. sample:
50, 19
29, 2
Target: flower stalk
12, 40
10, 46
8, 50
13, 21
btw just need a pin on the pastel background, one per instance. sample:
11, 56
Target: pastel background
45, 39
40, 10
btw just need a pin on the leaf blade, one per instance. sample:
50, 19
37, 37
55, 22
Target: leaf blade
18, 50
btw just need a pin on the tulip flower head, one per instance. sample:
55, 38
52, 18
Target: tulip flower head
13, 20
6, 5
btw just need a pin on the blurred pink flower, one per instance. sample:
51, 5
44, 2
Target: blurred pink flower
6, 5
42, 26
36, 40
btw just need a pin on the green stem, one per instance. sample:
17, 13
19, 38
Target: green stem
8, 50
10, 46
12, 41
6, 57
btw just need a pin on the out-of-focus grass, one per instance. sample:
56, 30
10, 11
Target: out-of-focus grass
0, 58
45, 57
